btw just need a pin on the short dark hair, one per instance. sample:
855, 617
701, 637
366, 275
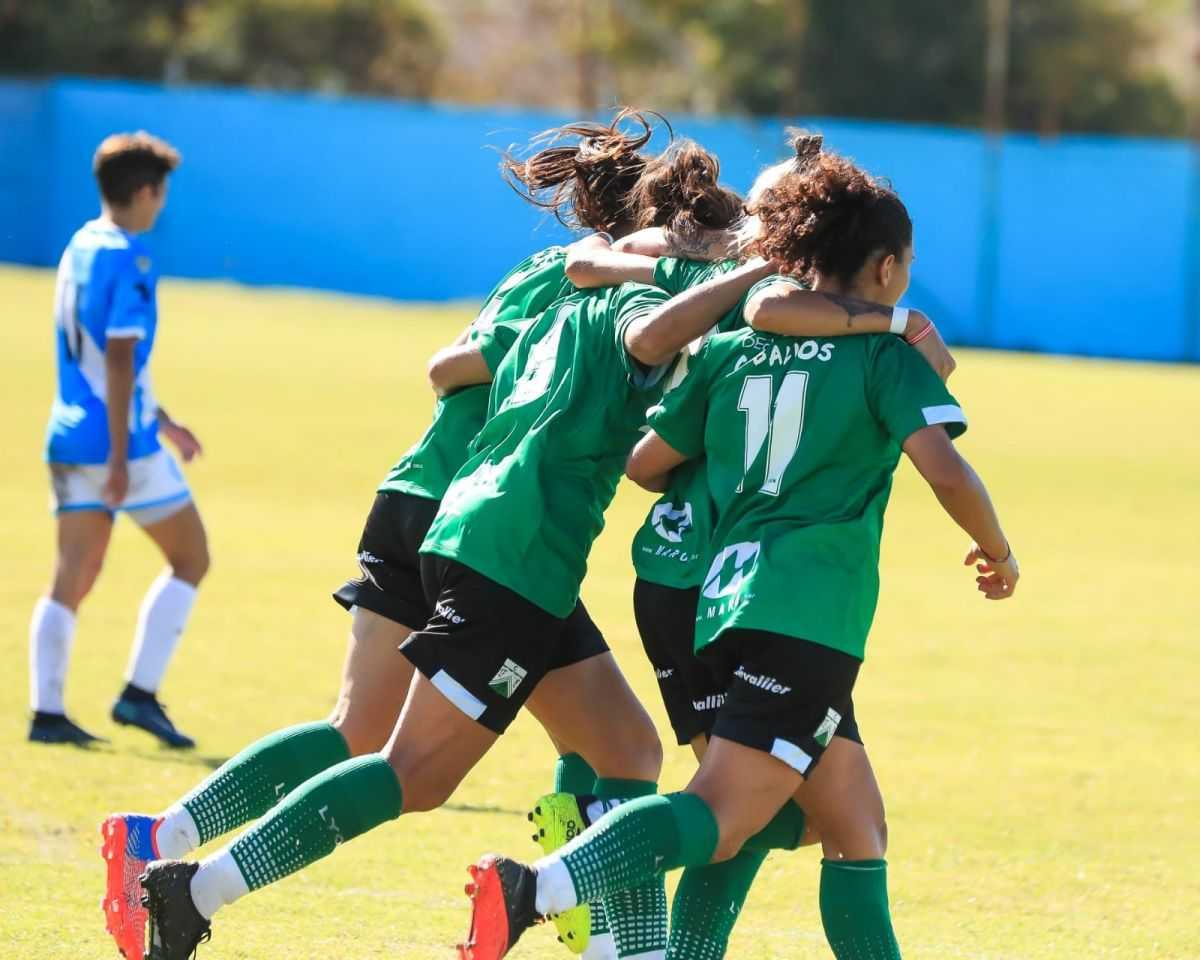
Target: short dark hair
126, 162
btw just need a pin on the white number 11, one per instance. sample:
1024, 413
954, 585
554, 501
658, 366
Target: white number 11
778, 428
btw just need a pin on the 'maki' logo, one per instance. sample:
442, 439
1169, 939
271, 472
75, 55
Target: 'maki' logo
671, 523
729, 570
828, 727
507, 679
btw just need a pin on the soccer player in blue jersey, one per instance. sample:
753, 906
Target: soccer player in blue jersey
103, 447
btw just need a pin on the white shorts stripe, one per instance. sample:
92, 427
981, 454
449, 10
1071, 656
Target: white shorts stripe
792, 755
458, 695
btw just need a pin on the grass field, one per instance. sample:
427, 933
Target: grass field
1039, 757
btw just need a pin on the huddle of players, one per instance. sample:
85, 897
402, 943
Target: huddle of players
760, 555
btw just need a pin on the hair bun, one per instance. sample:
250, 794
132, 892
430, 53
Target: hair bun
807, 146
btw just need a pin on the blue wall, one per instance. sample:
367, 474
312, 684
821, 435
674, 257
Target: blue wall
1083, 245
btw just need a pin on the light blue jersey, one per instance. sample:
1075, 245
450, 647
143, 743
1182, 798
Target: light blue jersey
106, 288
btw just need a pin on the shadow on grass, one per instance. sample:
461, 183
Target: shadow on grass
181, 757
483, 808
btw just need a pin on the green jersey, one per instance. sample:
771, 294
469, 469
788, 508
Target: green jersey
568, 403
800, 439
669, 547
528, 289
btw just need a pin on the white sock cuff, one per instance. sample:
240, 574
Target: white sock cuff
168, 581
555, 888
601, 946
49, 607
178, 834
217, 883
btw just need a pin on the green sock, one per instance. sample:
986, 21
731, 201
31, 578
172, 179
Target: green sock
784, 832
854, 910
573, 774
637, 915
634, 843
250, 784
331, 808
707, 904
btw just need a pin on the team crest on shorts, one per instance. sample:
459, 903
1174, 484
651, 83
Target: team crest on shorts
507, 679
828, 727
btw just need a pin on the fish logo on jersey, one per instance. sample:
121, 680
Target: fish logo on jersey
671, 523
729, 570
507, 679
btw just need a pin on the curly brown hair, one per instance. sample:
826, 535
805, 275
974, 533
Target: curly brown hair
679, 191
126, 162
829, 216
587, 184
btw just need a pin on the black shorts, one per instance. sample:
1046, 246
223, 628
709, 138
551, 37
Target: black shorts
692, 690
784, 696
390, 584
486, 648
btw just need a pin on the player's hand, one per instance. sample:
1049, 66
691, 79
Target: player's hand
116, 487
997, 578
930, 345
183, 440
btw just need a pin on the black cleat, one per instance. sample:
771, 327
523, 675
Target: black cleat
151, 716
503, 896
176, 926
56, 728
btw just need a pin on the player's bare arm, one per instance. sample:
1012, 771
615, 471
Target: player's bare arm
456, 366
663, 332
786, 309
650, 463
182, 438
118, 369
594, 262
964, 497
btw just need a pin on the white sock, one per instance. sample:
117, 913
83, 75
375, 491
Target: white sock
217, 883
161, 620
51, 632
598, 808
555, 888
601, 946
178, 834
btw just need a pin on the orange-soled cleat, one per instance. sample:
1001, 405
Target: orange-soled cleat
502, 895
126, 848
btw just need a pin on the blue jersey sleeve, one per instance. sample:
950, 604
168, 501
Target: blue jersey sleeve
132, 303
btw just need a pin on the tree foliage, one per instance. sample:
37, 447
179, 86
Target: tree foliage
1074, 64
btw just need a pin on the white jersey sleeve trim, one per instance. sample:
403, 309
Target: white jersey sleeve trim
118, 333
946, 413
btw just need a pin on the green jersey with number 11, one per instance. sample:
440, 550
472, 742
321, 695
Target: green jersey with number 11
801, 438
528, 289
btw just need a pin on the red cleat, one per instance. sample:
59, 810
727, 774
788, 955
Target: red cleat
502, 894
124, 915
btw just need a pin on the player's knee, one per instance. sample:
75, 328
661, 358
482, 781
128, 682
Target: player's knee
642, 751
74, 578
362, 737
883, 837
193, 565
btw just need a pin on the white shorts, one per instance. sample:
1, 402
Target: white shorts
157, 488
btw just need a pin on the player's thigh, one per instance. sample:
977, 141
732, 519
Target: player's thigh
183, 541
82, 538
375, 681
434, 746
744, 787
590, 707
843, 799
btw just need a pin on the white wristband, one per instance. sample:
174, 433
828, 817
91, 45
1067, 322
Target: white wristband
899, 321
